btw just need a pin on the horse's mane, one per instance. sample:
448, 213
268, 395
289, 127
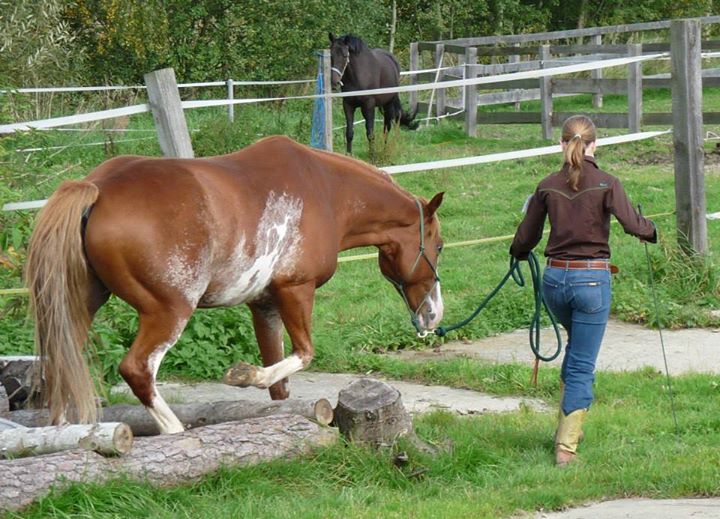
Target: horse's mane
354, 43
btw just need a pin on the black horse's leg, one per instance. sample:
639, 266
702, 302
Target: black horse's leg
349, 131
389, 118
368, 111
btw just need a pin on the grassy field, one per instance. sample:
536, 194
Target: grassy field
488, 466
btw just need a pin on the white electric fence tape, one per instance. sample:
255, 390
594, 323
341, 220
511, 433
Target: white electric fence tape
485, 80
449, 163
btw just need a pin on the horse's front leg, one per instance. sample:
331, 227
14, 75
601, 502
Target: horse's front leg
295, 305
368, 111
269, 334
349, 128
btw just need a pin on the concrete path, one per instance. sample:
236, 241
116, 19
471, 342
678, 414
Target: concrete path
416, 398
625, 347
639, 509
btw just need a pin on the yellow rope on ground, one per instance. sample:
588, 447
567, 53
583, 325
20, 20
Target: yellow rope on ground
344, 259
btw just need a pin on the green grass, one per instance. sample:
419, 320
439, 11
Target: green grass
486, 466
497, 464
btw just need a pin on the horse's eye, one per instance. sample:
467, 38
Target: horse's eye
439, 249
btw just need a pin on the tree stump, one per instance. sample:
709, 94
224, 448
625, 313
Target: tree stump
4, 402
16, 376
371, 411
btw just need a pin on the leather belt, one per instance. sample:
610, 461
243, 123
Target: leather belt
580, 264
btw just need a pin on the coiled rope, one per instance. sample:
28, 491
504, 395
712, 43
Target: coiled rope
516, 274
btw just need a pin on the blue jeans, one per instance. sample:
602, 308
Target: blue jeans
580, 301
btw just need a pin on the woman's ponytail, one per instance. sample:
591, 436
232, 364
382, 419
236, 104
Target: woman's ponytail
578, 132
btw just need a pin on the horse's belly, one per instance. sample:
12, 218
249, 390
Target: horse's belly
246, 272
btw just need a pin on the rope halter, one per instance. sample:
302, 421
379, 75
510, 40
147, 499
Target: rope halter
400, 285
341, 73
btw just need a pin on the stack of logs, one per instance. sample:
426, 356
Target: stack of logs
127, 441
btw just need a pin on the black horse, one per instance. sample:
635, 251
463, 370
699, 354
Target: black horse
355, 66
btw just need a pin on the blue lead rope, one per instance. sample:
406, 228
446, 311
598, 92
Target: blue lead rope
516, 273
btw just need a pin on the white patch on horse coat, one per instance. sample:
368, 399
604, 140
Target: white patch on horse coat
276, 242
160, 411
266, 377
189, 277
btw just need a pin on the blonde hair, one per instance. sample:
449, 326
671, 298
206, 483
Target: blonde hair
578, 132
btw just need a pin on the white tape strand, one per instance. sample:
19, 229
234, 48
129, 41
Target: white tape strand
484, 80
450, 163
511, 155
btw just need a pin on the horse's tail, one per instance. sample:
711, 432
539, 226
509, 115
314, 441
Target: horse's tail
56, 274
406, 119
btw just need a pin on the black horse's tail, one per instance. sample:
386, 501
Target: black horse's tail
405, 119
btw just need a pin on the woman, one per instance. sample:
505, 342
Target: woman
579, 200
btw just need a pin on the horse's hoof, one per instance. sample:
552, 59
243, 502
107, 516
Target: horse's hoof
241, 374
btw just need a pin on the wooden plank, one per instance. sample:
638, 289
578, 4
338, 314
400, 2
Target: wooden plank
515, 60
414, 65
327, 90
634, 89
471, 95
688, 136
164, 101
546, 101
559, 35
440, 92
511, 96
596, 75
589, 86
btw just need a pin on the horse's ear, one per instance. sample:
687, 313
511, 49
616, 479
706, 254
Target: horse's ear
332, 38
433, 204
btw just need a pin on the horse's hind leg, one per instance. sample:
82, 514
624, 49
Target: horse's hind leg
349, 128
269, 333
157, 333
368, 111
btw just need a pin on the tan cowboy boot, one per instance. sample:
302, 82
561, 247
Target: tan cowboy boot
560, 414
568, 436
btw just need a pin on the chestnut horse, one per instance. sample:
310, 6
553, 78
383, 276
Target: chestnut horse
262, 226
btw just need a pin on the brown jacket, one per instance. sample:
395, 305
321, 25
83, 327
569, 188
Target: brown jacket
579, 220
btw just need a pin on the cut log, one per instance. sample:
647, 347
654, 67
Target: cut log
168, 459
16, 376
193, 415
371, 411
4, 402
103, 438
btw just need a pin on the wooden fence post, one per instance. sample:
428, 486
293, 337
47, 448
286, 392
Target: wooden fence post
440, 92
515, 58
546, 101
414, 65
597, 99
231, 95
685, 48
471, 106
327, 90
164, 101
635, 93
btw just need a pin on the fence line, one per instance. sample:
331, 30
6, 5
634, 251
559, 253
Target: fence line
484, 80
372, 255
440, 164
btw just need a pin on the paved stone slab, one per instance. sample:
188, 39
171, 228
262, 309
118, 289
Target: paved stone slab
640, 509
417, 398
625, 347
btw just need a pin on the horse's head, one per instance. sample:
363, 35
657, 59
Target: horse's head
410, 263
340, 49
